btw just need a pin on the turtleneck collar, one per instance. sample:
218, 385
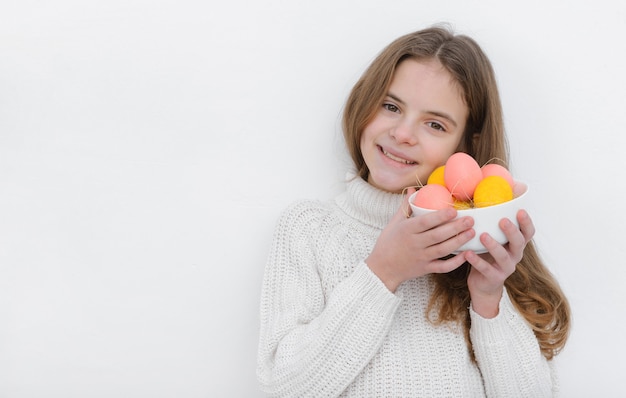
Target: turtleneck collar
368, 204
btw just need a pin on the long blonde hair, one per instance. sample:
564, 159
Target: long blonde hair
532, 288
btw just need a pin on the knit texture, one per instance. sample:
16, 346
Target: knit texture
330, 327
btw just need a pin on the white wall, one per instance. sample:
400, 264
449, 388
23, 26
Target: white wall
147, 147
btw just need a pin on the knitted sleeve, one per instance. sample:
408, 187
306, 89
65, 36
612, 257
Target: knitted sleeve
508, 355
312, 345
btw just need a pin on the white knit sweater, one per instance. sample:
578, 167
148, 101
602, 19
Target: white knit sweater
330, 327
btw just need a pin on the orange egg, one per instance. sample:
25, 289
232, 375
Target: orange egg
436, 177
434, 197
462, 174
497, 170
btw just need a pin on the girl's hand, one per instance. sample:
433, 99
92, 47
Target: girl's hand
489, 271
411, 247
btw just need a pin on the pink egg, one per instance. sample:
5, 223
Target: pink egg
462, 174
497, 170
434, 197
519, 188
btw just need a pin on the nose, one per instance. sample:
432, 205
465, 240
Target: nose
404, 132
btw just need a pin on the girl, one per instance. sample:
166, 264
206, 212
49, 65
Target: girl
359, 300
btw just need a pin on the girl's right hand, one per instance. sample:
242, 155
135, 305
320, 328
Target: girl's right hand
412, 247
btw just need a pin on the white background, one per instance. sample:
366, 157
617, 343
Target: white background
147, 148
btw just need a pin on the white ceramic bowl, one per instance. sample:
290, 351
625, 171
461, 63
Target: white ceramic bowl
486, 219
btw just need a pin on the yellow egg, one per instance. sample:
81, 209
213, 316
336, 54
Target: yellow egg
492, 190
436, 177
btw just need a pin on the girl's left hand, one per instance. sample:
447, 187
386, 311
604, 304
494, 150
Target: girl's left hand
489, 271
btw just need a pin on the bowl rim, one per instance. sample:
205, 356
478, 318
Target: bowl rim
475, 210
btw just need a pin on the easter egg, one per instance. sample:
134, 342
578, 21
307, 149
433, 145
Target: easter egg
518, 189
436, 177
491, 191
434, 197
461, 175
493, 169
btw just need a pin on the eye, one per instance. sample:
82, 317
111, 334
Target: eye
436, 126
391, 107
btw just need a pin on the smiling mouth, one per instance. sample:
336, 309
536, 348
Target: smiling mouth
397, 159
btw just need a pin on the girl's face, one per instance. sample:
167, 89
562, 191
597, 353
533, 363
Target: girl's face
418, 126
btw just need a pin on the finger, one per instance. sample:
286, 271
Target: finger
516, 238
499, 253
489, 270
409, 191
447, 265
442, 248
526, 225
449, 231
404, 211
433, 219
